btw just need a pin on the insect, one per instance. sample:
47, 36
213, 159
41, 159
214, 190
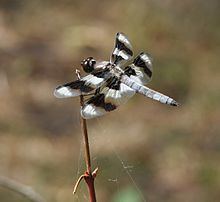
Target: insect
112, 83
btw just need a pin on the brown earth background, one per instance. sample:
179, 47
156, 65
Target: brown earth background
172, 154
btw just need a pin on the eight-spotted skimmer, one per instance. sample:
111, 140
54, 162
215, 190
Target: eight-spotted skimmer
112, 83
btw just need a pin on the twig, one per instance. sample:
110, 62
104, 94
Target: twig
24, 190
88, 176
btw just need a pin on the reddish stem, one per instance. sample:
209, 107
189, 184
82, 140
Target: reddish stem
89, 177
91, 187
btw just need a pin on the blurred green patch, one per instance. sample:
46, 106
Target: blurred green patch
128, 194
209, 175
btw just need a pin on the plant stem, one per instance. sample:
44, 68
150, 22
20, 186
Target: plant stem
89, 176
86, 139
22, 189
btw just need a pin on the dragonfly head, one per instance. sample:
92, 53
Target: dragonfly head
88, 64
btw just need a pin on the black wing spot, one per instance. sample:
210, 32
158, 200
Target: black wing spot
99, 101
109, 107
79, 84
122, 46
103, 73
117, 59
140, 63
113, 83
130, 71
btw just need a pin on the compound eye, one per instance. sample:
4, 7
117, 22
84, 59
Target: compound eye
88, 64
92, 62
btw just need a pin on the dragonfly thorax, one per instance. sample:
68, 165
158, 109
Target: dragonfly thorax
117, 71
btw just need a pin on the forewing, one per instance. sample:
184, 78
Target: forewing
141, 69
84, 85
122, 51
108, 99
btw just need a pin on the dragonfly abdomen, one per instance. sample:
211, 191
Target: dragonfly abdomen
148, 92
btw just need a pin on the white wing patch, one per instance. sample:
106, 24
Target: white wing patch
65, 92
118, 97
92, 81
124, 39
91, 111
121, 53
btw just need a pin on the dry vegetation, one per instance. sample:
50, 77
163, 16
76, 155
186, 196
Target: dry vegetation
174, 152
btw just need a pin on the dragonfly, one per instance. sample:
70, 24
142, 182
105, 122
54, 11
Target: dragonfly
112, 83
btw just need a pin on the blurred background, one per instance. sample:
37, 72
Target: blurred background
145, 151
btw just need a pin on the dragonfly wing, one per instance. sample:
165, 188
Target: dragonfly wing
122, 51
141, 69
84, 85
107, 99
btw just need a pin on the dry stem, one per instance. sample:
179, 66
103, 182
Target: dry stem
24, 190
88, 176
